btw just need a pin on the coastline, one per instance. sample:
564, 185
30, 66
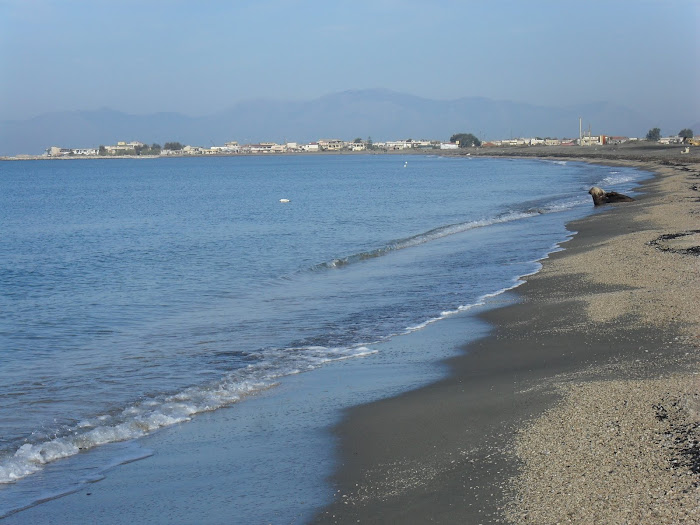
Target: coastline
607, 326
633, 152
185, 475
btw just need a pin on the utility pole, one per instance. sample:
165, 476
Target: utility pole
580, 136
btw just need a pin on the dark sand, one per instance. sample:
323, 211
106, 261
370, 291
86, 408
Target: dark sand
598, 313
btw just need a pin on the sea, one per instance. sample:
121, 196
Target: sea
138, 295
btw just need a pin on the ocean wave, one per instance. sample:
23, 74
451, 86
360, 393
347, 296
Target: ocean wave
154, 413
438, 233
619, 177
481, 300
557, 162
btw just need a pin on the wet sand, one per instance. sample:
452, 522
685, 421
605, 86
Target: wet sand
582, 404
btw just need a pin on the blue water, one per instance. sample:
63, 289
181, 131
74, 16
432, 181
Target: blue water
135, 294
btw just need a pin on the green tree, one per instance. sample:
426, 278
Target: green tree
358, 140
155, 146
686, 133
173, 146
654, 134
466, 140
102, 151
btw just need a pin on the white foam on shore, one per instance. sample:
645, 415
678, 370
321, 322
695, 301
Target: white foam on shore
619, 177
152, 414
483, 299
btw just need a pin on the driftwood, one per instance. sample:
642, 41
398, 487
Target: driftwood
606, 197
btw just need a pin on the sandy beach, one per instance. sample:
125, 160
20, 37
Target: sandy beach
581, 406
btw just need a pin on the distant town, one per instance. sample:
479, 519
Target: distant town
136, 148
456, 141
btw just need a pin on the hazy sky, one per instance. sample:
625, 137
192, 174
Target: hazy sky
197, 57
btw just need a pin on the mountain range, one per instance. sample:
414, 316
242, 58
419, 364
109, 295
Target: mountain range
379, 113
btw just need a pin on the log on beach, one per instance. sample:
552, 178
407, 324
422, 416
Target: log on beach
601, 196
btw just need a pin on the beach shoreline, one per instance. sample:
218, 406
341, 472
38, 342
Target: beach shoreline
608, 325
454, 450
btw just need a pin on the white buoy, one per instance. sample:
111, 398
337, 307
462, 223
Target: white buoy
284, 200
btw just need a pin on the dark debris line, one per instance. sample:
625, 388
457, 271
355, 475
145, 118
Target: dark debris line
657, 243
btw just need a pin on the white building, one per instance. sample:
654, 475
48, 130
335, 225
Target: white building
593, 140
330, 144
263, 147
118, 149
232, 147
193, 150
85, 151
449, 145
514, 142
55, 151
398, 144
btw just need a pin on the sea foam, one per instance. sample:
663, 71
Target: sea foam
154, 413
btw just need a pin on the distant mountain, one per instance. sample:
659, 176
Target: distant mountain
379, 113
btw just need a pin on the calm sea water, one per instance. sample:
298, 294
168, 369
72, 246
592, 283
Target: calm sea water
135, 294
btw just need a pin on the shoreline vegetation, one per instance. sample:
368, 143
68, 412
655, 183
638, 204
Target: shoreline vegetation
583, 403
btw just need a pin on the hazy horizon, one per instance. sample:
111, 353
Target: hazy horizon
199, 58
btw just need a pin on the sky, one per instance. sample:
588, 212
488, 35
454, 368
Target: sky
199, 57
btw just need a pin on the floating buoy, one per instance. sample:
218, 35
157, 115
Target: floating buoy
284, 200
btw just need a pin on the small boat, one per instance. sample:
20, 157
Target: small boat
284, 200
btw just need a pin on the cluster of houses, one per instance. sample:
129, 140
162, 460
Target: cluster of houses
332, 145
55, 151
121, 148
586, 140
528, 142
232, 148
321, 145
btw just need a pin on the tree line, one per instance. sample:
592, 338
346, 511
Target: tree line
655, 134
465, 140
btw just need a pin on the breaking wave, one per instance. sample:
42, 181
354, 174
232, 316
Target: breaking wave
439, 233
157, 412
